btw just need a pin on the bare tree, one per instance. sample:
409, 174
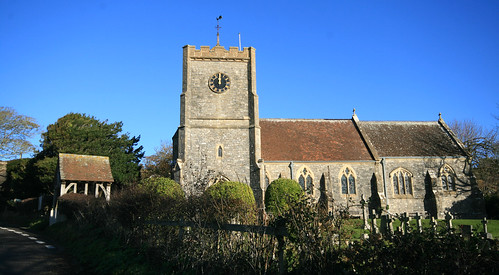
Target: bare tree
15, 130
160, 163
478, 141
483, 146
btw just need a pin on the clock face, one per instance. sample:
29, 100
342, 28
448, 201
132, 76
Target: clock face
219, 83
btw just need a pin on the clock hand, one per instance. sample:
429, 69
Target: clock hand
219, 79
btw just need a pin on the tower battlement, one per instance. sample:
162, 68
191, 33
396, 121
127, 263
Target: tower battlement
219, 53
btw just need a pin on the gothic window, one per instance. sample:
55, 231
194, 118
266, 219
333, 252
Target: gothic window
402, 182
220, 151
447, 177
344, 185
348, 182
309, 183
301, 181
306, 180
395, 185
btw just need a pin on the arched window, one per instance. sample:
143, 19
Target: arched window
220, 151
347, 180
306, 179
448, 178
402, 181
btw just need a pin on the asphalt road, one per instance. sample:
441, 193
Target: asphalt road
23, 252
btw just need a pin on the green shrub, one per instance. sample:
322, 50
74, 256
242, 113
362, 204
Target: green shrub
165, 187
280, 193
231, 190
231, 200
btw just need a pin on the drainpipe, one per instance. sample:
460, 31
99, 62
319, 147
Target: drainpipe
383, 160
291, 164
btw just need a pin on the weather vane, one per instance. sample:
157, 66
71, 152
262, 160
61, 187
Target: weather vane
218, 29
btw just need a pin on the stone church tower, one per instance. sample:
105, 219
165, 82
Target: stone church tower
219, 125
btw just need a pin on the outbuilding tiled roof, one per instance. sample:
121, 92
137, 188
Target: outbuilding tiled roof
311, 140
85, 168
410, 138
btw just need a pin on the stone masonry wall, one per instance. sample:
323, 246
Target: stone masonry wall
461, 202
332, 172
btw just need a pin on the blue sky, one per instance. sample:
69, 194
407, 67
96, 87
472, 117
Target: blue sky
122, 60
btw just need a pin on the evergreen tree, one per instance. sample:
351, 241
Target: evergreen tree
82, 134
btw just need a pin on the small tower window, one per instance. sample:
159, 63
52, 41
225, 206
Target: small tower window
220, 151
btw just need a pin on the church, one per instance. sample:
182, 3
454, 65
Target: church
398, 166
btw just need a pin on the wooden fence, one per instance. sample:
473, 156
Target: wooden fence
278, 232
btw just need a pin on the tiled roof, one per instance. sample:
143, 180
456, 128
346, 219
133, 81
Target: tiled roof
311, 140
85, 168
410, 138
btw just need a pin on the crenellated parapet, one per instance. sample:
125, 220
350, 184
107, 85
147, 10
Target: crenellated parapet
219, 53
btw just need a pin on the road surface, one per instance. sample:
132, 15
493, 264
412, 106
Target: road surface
23, 252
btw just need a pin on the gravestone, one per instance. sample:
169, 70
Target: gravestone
486, 233
374, 227
419, 225
448, 220
364, 212
433, 224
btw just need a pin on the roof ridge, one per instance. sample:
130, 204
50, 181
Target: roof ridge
305, 119
401, 121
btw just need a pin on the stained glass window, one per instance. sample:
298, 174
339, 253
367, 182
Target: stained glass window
301, 181
408, 184
309, 183
402, 184
396, 184
344, 185
448, 178
351, 184
444, 182
348, 182
305, 179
